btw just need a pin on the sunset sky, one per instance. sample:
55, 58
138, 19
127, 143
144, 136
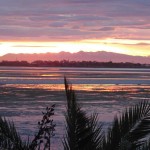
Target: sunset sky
38, 26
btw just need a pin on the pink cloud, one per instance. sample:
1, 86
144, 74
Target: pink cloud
75, 19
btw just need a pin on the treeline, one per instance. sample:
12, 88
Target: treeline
67, 63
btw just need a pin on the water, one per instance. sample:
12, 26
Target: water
33, 75
26, 91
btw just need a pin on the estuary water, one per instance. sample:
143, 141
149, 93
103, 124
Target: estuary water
45, 75
27, 91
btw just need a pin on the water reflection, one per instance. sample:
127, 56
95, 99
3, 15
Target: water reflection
29, 75
24, 103
83, 87
25, 92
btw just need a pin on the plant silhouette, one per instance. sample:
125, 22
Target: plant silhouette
129, 131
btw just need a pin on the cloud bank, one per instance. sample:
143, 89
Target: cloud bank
63, 20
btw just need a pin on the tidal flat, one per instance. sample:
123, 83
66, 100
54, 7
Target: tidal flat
24, 103
27, 91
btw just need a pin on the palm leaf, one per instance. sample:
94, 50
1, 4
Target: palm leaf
83, 133
128, 131
9, 137
145, 146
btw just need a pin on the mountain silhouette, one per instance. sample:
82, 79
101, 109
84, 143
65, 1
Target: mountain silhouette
100, 56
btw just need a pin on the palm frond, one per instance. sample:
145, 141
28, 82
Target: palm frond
83, 132
145, 146
9, 137
128, 131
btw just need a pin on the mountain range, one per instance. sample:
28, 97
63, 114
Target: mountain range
100, 56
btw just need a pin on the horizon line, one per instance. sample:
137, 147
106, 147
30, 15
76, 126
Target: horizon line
71, 53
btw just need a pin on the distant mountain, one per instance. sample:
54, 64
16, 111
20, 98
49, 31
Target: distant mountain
100, 56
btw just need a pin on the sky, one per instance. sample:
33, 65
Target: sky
39, 26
